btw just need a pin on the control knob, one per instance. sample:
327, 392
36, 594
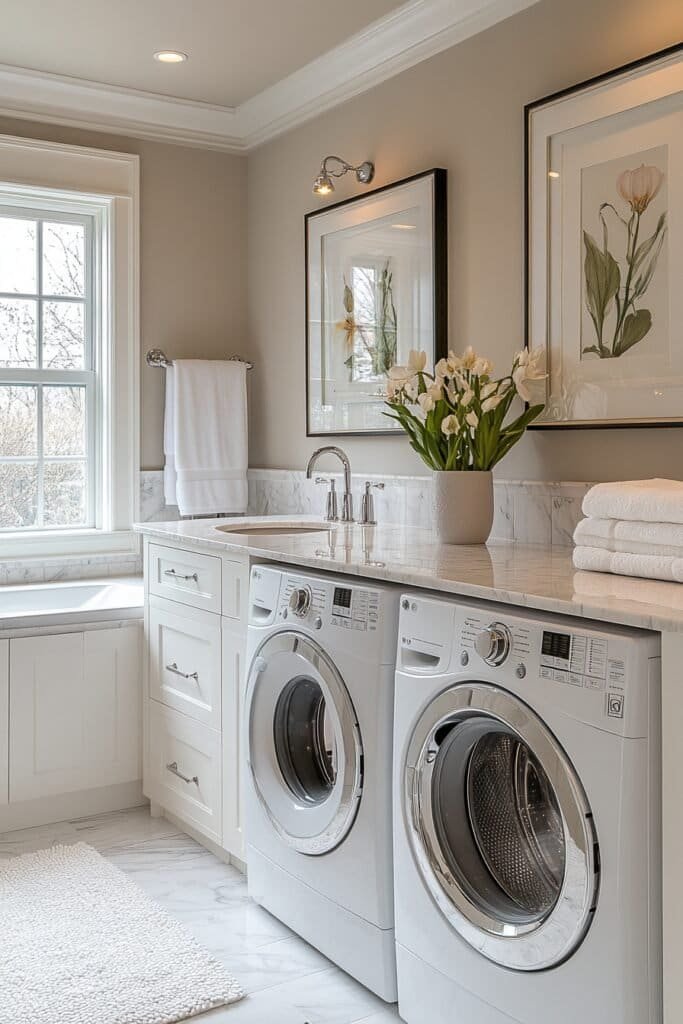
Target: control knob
300, 601
493, 643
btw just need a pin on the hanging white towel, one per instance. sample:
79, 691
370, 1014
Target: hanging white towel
648, 501
169, 441
631, 537
210, 436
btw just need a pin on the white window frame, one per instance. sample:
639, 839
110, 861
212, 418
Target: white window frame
38, 175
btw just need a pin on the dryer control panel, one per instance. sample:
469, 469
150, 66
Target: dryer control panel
596, 673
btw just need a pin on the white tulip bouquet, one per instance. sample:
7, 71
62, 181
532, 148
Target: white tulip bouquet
455, 417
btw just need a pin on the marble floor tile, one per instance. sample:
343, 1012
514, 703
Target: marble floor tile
287, 981
331, 997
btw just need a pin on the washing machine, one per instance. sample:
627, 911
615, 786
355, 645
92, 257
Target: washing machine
321, 654
527, 818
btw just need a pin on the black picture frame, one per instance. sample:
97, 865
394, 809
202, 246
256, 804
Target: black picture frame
675, 49
440, 265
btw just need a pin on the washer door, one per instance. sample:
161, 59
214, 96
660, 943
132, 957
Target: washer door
305, 751
500, 827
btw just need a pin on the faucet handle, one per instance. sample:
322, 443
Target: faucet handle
331, 515
367, 507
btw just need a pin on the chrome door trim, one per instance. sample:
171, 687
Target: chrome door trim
350, 767
522, 946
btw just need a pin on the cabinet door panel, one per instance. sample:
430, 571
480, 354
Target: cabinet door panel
185, 660
75, 702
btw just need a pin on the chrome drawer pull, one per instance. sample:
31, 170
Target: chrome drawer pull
186, 675
179, 576
174, 770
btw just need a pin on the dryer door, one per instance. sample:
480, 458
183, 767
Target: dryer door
500, 827
305, 751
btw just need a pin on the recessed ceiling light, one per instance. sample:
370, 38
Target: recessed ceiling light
170, 56
404, 227
553, 174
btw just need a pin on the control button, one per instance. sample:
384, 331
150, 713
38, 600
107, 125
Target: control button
615, 705
560, 676
413, 606
284, 613
464, 658
493, 643
594, 684
300, 601
318, 623
575, 679
520, 671
405, 604
546, 672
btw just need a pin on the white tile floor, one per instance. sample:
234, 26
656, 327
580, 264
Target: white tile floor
287, 981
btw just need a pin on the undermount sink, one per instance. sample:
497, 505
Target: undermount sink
275, 529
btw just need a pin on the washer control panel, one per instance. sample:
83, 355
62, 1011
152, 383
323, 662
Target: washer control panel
346, 607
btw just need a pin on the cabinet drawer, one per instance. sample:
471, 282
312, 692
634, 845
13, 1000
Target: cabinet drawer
185, 576
185, 660
235, 588
184, 769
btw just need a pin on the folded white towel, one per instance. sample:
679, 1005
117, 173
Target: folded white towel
601, 585
649, 501
654, 567
630, 537
210, 436
169, 441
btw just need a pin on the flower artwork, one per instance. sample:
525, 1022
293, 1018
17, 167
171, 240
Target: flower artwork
620, 264
456, 417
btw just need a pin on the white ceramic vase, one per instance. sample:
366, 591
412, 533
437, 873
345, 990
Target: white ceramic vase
463, 506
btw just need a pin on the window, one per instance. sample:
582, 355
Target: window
69, 349
48, 370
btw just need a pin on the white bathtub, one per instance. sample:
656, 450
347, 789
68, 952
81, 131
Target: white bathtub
73, 601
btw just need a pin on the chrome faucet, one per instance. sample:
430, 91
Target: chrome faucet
347, 500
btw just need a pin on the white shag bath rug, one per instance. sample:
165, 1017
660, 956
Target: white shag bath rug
82, 944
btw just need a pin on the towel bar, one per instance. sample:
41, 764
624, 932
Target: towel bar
155, 357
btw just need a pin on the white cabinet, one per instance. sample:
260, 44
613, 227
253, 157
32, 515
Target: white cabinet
185, 576
74, 712
196, 624
4, 722
185, 769
185, 660
234, 761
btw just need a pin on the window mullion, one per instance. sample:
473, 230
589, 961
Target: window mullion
40, 511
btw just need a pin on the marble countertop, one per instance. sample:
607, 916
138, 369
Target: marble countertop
533, 576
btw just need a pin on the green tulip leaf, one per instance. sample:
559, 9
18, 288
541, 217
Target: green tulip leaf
602, 277
636, 326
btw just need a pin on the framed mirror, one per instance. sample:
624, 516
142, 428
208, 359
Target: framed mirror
376, 287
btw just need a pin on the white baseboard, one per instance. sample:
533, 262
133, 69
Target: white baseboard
69, 806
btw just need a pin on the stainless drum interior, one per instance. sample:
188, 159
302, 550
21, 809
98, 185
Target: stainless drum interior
500, 827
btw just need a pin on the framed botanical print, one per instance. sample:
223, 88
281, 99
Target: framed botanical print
605, 246
375, 289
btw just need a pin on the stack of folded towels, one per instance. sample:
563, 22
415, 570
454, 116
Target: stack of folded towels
633, 528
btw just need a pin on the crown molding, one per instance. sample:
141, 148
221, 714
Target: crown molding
414, 32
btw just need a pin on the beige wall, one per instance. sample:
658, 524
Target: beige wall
192, 255
462, 110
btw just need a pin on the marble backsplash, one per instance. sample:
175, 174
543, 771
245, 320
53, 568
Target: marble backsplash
533, 512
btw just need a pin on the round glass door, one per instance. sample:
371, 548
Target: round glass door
305, 740
305, 751
500, 827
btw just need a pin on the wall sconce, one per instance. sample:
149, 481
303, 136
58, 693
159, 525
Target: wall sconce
322, 186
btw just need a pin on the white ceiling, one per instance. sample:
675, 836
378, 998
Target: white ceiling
236, 48
256, 68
